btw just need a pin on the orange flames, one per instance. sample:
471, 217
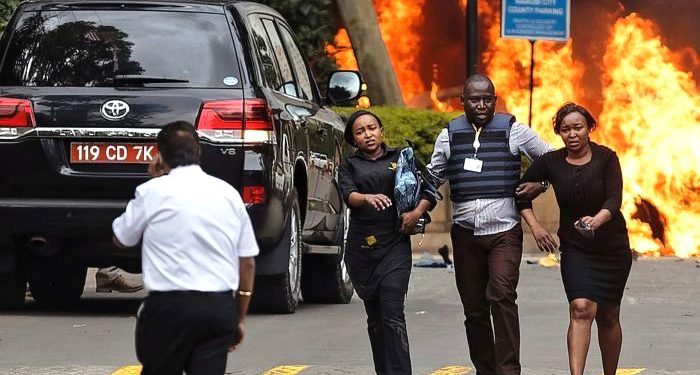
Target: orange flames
342, 51
651, 117
398, 23
507, 63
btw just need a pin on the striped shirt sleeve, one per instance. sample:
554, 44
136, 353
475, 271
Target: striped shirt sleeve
525, 140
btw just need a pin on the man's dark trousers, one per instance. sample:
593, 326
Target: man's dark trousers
487, 269
186, 331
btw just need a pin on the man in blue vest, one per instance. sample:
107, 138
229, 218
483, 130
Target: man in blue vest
479, 154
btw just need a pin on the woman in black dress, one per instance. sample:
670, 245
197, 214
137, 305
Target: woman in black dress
595, 259
378, 250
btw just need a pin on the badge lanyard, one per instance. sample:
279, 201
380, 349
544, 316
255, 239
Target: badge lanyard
476, 143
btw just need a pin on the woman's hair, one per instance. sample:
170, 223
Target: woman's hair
348, 135
569, 108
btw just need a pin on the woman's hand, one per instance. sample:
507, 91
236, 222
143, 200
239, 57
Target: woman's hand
592, 222
409, 220
378, 201
545, 240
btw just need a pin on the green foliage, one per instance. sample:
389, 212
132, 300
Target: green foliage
6, 9
420, 126
314, 24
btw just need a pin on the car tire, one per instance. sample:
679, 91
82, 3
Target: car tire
280, 293
13, 288
56, 281
325, 278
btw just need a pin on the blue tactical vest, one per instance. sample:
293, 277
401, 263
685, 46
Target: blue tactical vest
501, 170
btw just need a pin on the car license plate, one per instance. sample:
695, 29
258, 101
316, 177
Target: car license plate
129, 153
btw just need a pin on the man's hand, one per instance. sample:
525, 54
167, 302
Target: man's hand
409, 220
239, 338
378, 201
529, 190
545, 240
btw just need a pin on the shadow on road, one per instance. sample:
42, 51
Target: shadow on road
97, 306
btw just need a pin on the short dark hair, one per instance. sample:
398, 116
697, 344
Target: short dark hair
478, 78
569, 108
178, 144
348, 135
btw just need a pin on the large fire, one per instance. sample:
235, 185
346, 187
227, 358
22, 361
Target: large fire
398, 23
341, 49
651, 117
650, 110
507, 63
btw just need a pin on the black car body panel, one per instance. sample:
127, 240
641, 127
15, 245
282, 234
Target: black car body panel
100, 79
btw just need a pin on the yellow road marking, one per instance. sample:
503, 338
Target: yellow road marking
287, 370
128, 370
452, 370
629, 371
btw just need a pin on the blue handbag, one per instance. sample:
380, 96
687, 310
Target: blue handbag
409, 182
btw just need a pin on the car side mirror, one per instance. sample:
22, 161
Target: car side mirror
343, 86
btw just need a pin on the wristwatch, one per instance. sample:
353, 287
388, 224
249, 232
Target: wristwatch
545, 185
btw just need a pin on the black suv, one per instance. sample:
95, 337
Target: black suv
84, 88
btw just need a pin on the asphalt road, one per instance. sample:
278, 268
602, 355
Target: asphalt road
660, 317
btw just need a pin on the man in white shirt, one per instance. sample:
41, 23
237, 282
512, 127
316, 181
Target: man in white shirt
198, 247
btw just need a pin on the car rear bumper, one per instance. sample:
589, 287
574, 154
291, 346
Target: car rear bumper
92, 218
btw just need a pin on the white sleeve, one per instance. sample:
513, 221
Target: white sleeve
129, 227
524, 139
441, 154
247, 245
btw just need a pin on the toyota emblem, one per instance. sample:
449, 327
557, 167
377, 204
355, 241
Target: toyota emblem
114, 110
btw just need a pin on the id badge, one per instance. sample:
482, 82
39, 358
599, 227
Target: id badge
473, 165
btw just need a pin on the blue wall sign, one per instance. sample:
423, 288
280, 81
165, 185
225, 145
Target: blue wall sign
536, 19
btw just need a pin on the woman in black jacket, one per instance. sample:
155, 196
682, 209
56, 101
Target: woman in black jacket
378, 248
595, 250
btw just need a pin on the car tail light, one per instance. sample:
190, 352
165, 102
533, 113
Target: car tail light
233, 120
253, 194
16, 113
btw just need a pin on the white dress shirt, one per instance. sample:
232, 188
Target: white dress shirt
194, 228
489, 215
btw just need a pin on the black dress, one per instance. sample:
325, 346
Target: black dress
375, 248
596, 269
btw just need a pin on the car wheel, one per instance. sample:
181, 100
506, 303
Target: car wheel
56, 281
280, 293
326, 278
13, 288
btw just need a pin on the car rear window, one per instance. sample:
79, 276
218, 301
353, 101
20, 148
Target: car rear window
79, 48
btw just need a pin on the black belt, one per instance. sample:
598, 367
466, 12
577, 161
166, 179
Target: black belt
156, 293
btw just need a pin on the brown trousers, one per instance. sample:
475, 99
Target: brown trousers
487, 269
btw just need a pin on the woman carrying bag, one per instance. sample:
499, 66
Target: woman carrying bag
378, 248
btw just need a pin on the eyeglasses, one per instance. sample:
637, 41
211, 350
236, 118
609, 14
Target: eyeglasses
487, 99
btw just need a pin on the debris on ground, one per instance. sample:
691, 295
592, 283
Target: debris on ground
549, 261
427, 260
